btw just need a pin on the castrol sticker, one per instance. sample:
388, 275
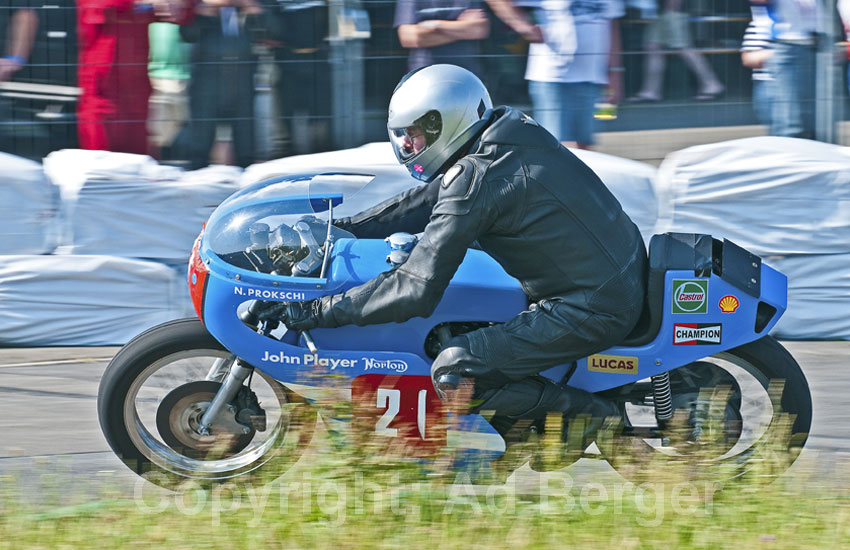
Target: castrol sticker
617, 364
690, 296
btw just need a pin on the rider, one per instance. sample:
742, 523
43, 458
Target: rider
510, 188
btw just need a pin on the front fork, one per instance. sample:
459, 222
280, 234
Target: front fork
236, 376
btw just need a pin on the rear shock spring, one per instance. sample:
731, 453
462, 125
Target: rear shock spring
662, 397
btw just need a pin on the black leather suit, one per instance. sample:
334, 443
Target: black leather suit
551, 223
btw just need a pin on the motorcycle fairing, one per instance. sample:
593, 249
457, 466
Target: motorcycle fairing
349, 351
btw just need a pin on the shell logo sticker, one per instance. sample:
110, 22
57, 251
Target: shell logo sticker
728, 304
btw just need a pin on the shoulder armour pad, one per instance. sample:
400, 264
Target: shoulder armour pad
451, 174
528, 120
457, 190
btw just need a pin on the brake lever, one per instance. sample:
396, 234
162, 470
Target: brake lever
311, 345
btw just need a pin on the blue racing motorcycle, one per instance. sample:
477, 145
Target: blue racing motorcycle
228, 393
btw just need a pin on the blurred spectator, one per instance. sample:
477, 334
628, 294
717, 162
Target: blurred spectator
169, 75
112, 111
579, 57
642, 10
511, 31
221, 90
19, 21
792, 66
442, 31
756, 49
844, 12
301, 83
671, 30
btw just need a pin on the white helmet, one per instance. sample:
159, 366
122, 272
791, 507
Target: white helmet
434, 113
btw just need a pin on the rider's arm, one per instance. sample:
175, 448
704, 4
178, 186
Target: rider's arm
470, 25
21, 32
415, 288
407, 212
516, 19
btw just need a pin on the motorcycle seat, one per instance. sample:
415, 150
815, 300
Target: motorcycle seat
670, 251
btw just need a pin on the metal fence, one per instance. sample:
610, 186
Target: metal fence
347, 59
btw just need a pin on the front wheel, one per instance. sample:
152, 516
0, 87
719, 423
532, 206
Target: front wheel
157, 387
745, 409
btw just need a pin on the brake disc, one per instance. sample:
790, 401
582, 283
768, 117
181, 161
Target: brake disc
178, 417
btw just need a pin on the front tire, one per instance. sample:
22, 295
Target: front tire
181, 354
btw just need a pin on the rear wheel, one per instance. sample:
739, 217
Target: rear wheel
157, 387
745, 409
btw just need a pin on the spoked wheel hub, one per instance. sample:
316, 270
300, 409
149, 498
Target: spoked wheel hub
179, 416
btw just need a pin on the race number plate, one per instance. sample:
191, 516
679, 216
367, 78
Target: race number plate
404, 408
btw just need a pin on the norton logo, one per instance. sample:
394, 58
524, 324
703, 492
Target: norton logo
728, 304
612, 363
396, 365
690, 296
696, 334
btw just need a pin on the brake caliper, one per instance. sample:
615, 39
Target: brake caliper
249, 413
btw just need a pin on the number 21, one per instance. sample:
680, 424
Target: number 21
390, 399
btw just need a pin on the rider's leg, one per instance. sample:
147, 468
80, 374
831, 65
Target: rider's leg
511, 402
557, 330
504, 359
530, 398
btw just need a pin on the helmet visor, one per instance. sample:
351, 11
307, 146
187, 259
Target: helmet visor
410, 141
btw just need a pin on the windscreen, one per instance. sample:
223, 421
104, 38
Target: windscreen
280, 226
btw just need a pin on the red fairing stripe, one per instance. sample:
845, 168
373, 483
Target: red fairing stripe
197, 279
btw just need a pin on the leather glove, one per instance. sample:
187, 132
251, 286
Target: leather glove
344, 224
301, 315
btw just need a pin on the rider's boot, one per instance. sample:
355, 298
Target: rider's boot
536, 398
519, 408
516, 408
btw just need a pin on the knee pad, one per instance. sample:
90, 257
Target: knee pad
448, 362
446, 371
457, 359
445, 383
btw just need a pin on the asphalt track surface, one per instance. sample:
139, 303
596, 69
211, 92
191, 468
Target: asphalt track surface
48, 417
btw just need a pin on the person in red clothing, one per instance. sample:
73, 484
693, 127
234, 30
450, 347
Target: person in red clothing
113, 70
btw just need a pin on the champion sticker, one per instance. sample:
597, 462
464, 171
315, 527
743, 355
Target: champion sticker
696, 334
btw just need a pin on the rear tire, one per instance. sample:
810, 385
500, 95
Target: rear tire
785, 414
121, 419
